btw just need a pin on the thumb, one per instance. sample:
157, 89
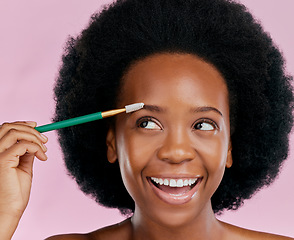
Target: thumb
26, 163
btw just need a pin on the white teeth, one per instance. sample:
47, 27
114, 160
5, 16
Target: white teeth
180, 183
174, 182
165, 182
193, 181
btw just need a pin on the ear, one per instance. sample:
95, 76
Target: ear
229, 161
111, 146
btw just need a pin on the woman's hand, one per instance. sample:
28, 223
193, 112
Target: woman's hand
19, 144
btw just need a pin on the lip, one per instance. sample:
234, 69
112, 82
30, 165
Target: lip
176, 199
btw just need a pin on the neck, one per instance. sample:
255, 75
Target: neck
201, 226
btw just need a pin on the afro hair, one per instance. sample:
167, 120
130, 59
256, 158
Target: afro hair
221, 32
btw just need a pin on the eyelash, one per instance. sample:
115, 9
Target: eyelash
147, 119
204, 120
151, 119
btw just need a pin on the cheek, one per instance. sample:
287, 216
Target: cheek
134, 154
213, 156
213, 153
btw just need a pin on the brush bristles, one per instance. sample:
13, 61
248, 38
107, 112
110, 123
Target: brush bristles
134, 107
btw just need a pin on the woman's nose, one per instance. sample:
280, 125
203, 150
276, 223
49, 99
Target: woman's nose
177, 148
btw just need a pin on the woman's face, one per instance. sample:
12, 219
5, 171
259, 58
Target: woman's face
173, 153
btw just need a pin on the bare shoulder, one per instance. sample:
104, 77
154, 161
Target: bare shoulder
262, 235
68, 237
238, 233
117, 231
122, 231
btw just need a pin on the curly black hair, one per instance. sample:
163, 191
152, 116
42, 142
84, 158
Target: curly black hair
223, 33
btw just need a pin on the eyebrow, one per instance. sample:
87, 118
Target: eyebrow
207, 109
154, 108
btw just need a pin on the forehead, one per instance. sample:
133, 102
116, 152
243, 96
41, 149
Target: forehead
174, 77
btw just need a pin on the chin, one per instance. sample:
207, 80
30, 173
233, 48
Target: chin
174, 217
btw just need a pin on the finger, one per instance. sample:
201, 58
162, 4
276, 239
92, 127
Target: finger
5, 127
13, 136
12, 156
28, 123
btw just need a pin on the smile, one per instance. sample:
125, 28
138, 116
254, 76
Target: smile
175, 190
174, 182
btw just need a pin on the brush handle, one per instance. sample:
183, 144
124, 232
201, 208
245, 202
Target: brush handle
69, 122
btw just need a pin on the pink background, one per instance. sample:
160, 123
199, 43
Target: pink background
33, 33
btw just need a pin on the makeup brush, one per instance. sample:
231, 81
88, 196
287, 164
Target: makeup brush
89, 118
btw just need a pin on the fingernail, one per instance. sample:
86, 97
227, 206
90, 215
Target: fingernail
45, 147
44, 137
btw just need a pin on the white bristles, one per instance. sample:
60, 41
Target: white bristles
134, 107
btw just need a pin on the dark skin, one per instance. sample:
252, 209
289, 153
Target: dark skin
182, 91
165, 140
182, 133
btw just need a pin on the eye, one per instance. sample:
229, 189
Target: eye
148, 123
205, 125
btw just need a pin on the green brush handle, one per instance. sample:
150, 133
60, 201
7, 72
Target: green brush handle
69, 122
